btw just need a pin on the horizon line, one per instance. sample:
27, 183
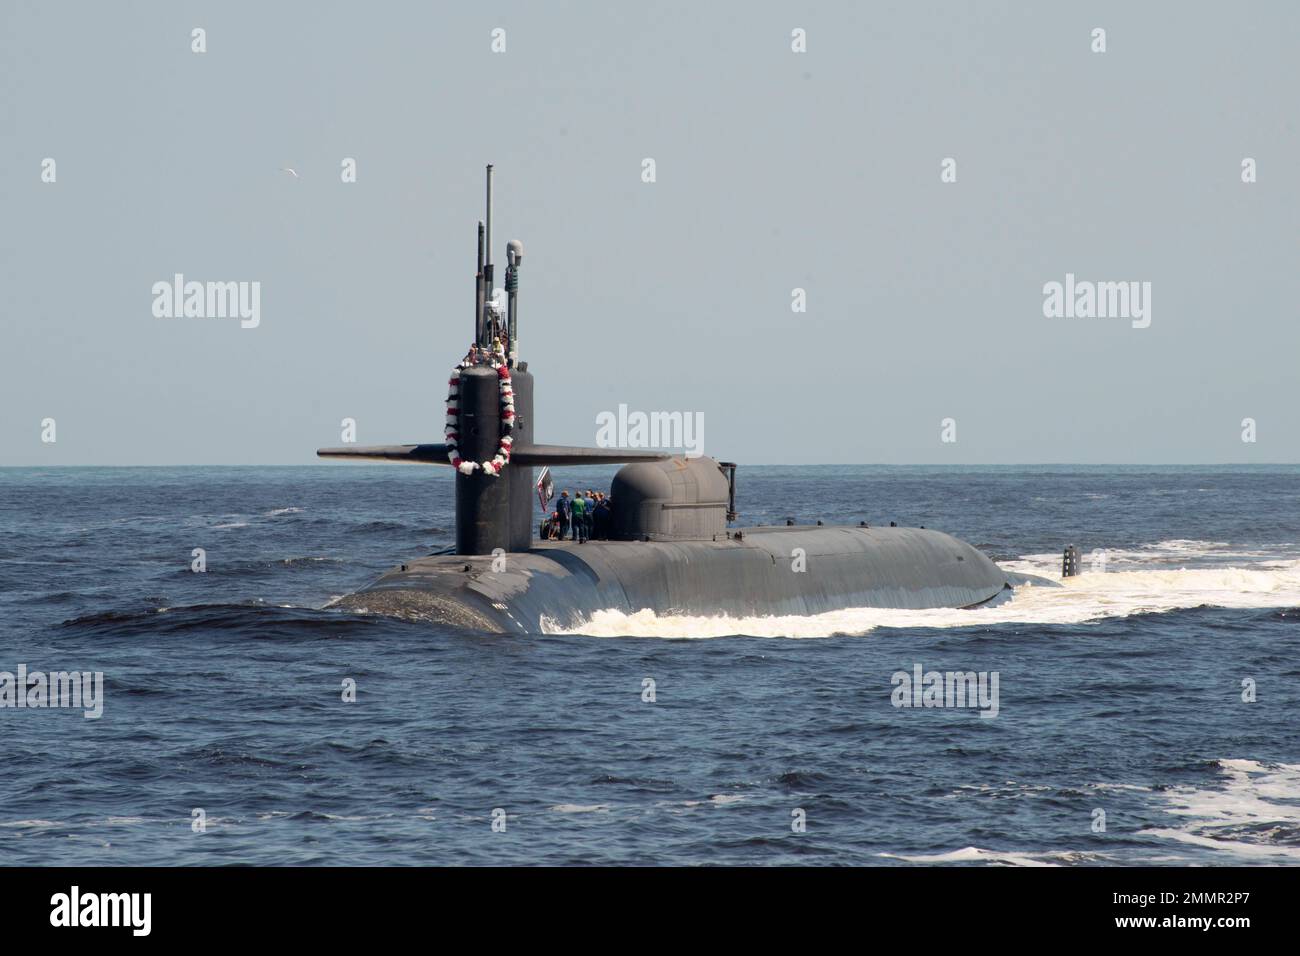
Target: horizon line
824, 464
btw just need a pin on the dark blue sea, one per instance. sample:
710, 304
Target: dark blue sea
1147, 711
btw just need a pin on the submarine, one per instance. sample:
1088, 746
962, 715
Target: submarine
672, 547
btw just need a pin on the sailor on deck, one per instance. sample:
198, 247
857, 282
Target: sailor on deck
564, 507
579, 518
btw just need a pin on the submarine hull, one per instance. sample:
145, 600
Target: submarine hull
755, 572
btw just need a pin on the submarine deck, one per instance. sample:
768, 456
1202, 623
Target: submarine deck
782, 570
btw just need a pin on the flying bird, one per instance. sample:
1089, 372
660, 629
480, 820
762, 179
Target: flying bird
292, 172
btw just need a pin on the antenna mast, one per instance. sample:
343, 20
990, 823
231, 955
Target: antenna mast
478, 290
514, 256
487, 264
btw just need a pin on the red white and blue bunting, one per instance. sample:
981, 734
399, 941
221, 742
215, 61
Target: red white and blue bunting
452, 430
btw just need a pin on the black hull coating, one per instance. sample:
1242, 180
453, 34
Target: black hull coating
565, 583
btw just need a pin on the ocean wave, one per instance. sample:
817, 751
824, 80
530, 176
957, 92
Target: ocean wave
974, 854
384, 525
1251, 811
1169, 553
265, 567
253, 619
581, 808
717, 800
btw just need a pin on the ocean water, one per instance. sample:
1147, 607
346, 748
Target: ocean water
769, 741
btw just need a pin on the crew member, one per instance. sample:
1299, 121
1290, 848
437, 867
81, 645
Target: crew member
564, 507
600, 520
579, 518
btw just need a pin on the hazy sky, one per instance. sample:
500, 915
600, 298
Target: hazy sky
775, 170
